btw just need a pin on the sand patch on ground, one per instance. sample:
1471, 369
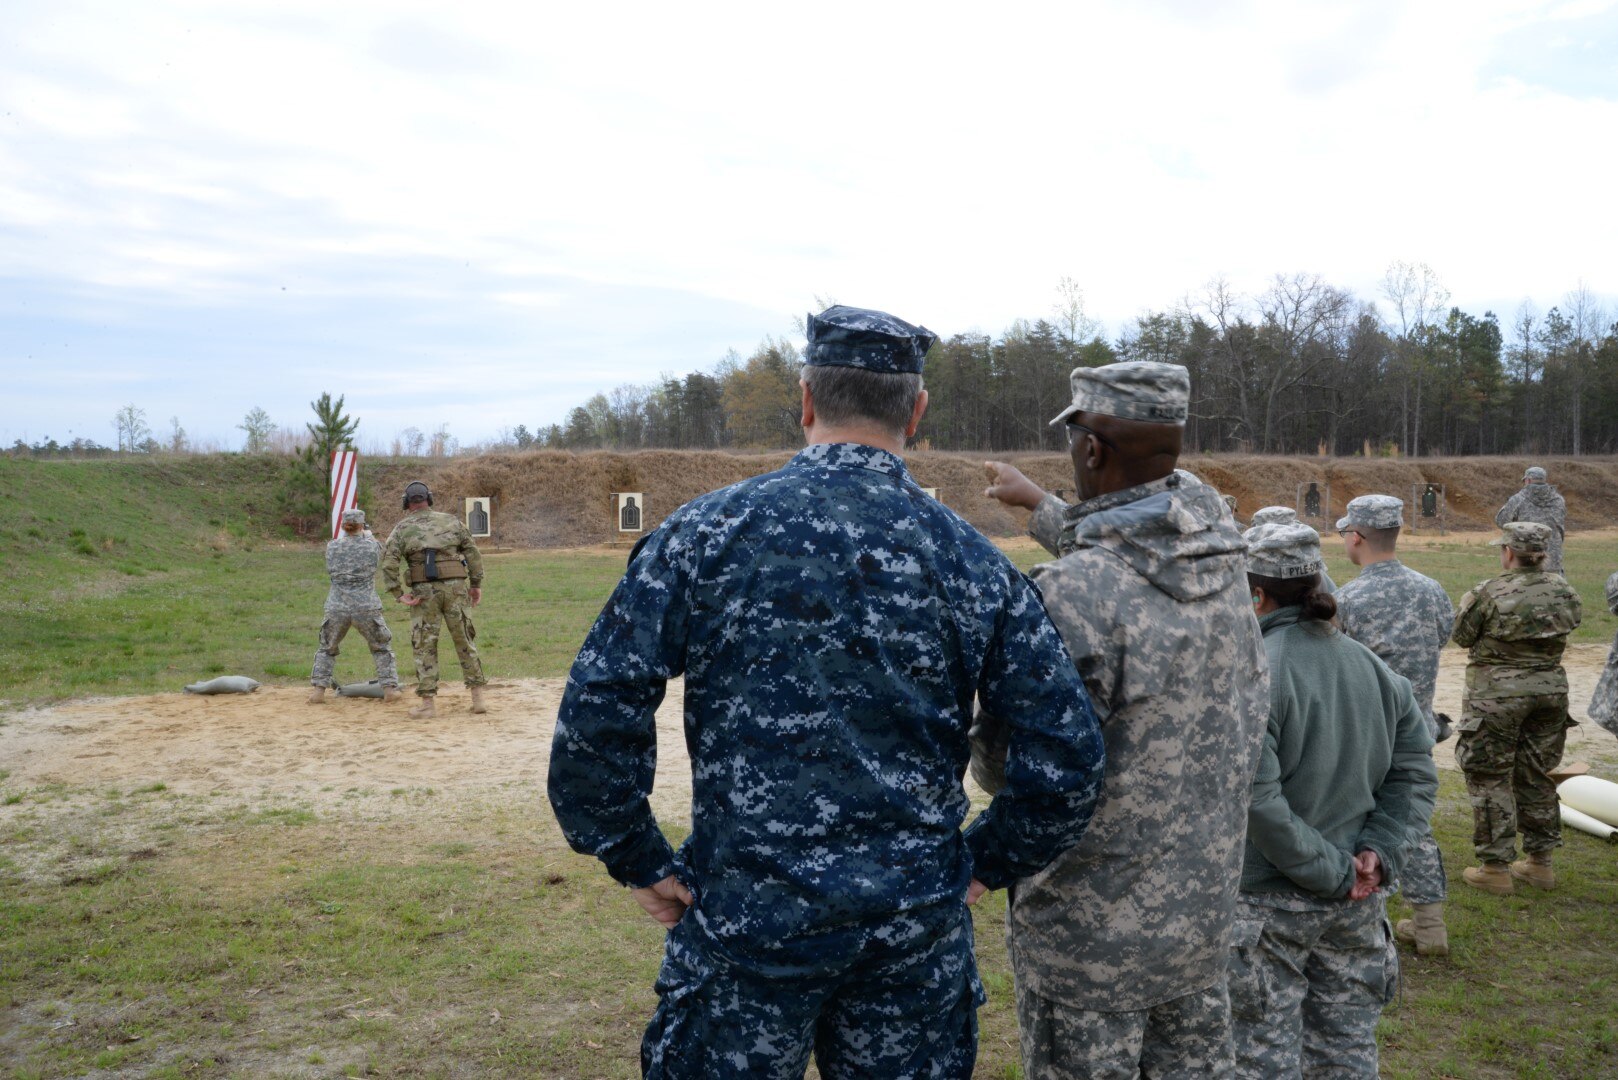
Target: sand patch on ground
271, 743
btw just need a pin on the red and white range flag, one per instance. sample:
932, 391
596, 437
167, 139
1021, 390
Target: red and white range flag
345, 488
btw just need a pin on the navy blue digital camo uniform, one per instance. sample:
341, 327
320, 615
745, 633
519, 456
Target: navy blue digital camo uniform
833, 624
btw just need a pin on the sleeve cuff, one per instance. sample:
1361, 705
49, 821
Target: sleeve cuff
647, 862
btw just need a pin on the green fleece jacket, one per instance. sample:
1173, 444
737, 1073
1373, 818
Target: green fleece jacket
1346, 766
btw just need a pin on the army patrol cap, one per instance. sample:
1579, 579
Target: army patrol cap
417, 490
1140, 390
1273, 515
1372, 512
1283, 551
1524, 537
354, 516
843, 336
1534, 475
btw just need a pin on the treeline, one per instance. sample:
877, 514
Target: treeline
1303, 367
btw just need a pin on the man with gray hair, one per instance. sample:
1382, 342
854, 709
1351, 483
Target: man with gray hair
833, 624
351, 562
1405, 618
1119, 946
1539, 502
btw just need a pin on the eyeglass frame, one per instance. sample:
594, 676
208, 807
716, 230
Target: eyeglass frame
1072, 440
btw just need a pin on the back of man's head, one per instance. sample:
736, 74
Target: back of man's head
1137, 411
863, 368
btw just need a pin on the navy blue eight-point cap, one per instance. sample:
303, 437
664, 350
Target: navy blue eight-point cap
843, 336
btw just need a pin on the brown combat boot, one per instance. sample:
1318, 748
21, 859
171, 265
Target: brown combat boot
425, 711
477, 700
1425, 931
1491, 877
390, 694
1536, 870
317, 695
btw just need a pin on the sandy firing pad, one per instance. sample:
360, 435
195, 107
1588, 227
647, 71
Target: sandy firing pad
272, 743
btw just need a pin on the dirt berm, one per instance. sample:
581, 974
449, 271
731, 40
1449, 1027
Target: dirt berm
552, 498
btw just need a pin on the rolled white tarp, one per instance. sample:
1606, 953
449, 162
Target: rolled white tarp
1591, 795
1585, 823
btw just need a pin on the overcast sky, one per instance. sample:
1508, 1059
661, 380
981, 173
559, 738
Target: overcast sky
479, 214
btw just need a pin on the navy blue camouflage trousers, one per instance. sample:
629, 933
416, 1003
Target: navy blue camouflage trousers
911, 1015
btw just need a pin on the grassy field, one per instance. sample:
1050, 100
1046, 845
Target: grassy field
449, 933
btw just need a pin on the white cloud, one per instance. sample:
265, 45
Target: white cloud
406, 184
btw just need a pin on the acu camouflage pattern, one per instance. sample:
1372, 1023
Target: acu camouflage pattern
1141, 390
1184, 1038
1151, 597
445, 603
1308, 981
1604, 703
1372, 512
1405, 618
1283, 551
1514, 715
1539, 502
351, 563
833, 625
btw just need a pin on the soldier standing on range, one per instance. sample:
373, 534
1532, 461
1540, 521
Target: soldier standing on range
833, 625
1405, 618
1285, 515
1604, 702
1539, 502
444, 575
351, 562
1514, 718
1119, 946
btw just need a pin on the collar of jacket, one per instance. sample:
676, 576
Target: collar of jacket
1280, 617
1081, 510
849, 455
1386, 566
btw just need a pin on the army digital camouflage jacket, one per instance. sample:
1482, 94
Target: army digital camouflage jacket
833, 624
1151, 597
351, 562
422, 530
1544, 504
1405, 618
1604, 702
1516, 626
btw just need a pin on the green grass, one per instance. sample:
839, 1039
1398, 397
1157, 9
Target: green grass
409, 931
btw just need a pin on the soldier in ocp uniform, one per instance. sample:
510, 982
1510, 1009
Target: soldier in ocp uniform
351, 562
1119, 946
1405, 618
833, 624
443, 573
1514, 716
1539, 502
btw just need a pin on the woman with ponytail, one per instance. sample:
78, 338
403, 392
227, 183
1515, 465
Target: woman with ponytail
1344, 777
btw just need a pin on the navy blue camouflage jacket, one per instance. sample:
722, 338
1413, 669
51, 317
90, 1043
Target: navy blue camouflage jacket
834, 625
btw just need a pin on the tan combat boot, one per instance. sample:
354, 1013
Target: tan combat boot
390, 694
477, 700
1536, 870
317, 695
425, 711
1425, 931
1491, 877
